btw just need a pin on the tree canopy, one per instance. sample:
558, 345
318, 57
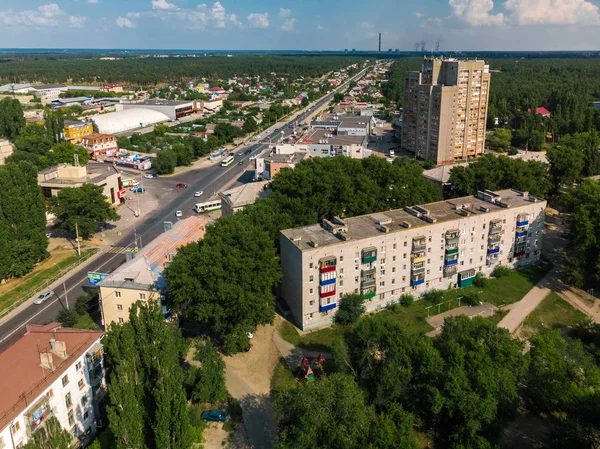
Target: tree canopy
12, 120
85, 207
22, 220
64, 153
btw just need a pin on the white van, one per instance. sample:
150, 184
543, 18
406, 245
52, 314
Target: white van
392, 153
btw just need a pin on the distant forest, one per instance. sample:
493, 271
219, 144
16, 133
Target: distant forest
152, 71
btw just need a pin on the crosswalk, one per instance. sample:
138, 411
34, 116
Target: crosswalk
116, 250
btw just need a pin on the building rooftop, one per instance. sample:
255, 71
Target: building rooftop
325, 136
22, 378
161, 102
400, 220
145, 269
48, 86
67, 176
245, 194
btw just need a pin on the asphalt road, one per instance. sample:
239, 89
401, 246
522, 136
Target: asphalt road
211, 179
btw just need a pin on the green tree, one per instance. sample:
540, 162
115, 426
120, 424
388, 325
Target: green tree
250, 125
67, 317
85, 207
52, 436
12, 120
55, 122
164, 162
207, 382
147, 403
350, 310
343, 419
500, 139
22, 220
393, 428
64, 153
566, 166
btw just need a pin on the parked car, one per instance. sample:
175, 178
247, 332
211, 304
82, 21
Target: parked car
251, 158
241, 163
43, 297
179, 214
215, 415
135, 184
138, 190
240, 153
566, 234
197, 194
181, 185
148, 176
248, 151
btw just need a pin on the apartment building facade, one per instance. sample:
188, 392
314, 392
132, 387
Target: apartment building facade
75, 131
100, 145
51, 372
406, 251
445, 110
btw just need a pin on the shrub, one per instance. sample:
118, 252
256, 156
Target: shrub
501, 270
350, 310
406, 300
434, 296
67, 317
471, 299
480, 280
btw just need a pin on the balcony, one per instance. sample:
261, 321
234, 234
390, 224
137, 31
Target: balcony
521, 233
94, 359
36, 416
418, 258
522, 220
418, 269
415, 282
449, 262
494, 238
495, 250
466, 278
327, 281
419, 248
452, 234
327, 265
450, 270
326, 307
96, 374
369, 255
98, 393
367, 282
451, 251
326, 294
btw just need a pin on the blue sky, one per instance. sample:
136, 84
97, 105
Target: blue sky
303, 25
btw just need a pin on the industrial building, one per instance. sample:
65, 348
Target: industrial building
48, 91
51, 372
445, 110
52, 180
141, 278
128, 120
172, 109
384, 255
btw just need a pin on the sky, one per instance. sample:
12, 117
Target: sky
468, 25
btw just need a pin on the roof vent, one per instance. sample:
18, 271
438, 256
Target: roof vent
422, 210
484, 208
297, 239
406, 224
313, 243
384, 228
412, 211
46, 361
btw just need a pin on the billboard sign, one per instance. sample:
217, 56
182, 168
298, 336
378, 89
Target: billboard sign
95, 278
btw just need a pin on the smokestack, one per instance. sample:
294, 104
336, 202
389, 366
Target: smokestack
380, 42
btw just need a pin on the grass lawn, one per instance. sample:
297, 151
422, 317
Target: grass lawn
498, 291
86, 322
554, 312
38, 279
282, 378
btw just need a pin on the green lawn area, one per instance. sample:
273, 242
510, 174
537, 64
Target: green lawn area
498, 291
86, 322
282, 378
554, 312
37, 280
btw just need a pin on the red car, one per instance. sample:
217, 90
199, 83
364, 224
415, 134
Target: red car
181, 185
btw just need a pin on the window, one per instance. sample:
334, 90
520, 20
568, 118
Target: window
16, 427
405, 244
382, 273
84, 399
403, 278
2, 445
311, 302
81, 384
117, 294
383, 249
119, 306
78, 366
341, 282
51, 393
65, 380
404, 257
311, 291
393, 281
482, 247
341, 271
142, 296
310, 278
382, 283
310, 265
86, 415
394, 259
382, 296
355, 278
71, 418
393, 269
310, 316
341, 258
357, 255
394, 246
355, 267
470, 261
404, 267
68, 401
383, 261
120, 320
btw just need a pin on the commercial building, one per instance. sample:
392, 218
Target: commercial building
53, 179
6, 149
100, 145
51, 372
48, 91
111, 87
324, 143
74, 131
141, 278
445, 110
406, 251
172, 109
345, 125
266, 168
128, 120
236, 199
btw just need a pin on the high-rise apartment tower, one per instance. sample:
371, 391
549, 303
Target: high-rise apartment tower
445, 110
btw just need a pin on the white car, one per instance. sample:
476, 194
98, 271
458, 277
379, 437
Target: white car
43, 297
134, 184
197, 194
251, 158
148, 176
179, 214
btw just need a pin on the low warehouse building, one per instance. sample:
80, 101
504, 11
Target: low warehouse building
127, 120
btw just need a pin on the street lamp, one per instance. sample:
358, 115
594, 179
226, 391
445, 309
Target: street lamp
64, 286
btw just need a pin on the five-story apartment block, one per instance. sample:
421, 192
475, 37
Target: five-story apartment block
445, 110
406, 251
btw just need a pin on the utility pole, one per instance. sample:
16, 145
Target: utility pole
379, 42
77, 237
66, 298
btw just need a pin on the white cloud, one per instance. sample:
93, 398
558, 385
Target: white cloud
124, 22
320, 27
366, 25
258, 20
284, 13
234, 19
555, 12
163, 4
419, 14
134, 15
288, 25
476, 12
49, 15
218, 14
93, 2
77, 21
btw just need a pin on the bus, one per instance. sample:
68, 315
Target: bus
127, 182
227, 161
208, 206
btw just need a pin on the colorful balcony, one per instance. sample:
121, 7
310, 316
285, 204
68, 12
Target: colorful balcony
451, 262
37, 415
415, 282
451, 251
326, 307
369, 294
493, 250
418, 258
327, 265
466, 278
521, 233
326, 294
522, 223
327, 281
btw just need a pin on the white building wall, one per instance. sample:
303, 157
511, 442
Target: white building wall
393, 265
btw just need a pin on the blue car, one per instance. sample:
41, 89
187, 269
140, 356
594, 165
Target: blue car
215, 415
248, 151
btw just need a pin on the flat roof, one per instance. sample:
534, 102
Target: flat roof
22, 379
145, 269
367, 226
333, 139
245, 194
160, 103
96, 173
